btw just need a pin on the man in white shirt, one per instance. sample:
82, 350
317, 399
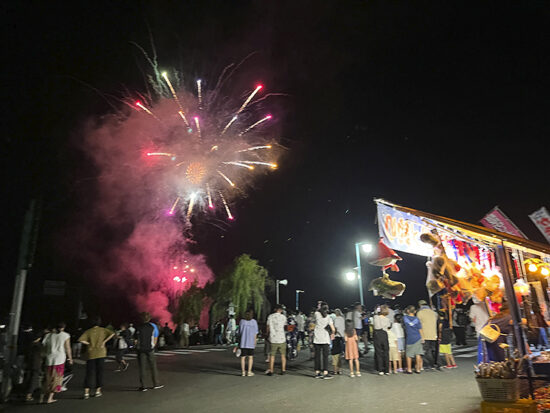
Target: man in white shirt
276, 323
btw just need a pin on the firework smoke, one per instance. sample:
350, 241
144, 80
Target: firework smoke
162, 163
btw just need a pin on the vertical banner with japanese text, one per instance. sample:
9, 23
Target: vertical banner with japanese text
541, 218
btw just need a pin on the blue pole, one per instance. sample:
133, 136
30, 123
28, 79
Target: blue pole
358, 256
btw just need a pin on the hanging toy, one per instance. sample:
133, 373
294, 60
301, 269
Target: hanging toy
386, 288
385, 257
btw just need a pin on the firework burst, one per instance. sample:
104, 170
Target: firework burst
209, 148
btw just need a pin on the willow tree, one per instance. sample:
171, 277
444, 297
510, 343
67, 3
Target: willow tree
190, 304
243, 284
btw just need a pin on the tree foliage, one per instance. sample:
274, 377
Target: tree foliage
244, 285
190, 304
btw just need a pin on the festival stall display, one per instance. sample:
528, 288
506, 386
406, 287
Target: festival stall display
386, 258
468, 262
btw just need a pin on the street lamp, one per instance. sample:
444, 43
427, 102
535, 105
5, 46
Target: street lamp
367, 248
351, 275
297, 298
282, 282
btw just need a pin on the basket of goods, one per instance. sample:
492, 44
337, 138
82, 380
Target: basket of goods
498, 381
542, 397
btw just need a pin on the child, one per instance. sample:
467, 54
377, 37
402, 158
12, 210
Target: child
395, 357
352, 348
446, 335
397, 328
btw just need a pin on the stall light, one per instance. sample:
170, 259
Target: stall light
532, 268
521, 287
544, 271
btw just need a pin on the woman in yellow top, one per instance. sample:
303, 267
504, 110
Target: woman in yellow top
95, 338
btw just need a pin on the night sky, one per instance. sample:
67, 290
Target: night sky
440, 106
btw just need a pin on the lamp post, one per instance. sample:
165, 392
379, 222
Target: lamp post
366, 247
282, 282
298, 298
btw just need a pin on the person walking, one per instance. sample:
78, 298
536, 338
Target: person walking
352, 348
446, 334
248, 328
123, 339
381, 324
337, 348
460, 321
57, 350
230, 330
324, 332
218, 333
413, 339
95, 339
276, 323
428, 318
147, 337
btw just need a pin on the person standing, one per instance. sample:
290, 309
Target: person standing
231, 329
428, 318
95, 338
324, 332
381, 324
184, 334
338, 342
122, 344
446, 334
352, 349
57, 350
276, 323
301, 326
248, 328
397, 329
460, 321
218, 333
414, 340
147, 338
357, 317
395, 356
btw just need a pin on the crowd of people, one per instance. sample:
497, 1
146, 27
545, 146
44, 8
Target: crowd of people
407, 341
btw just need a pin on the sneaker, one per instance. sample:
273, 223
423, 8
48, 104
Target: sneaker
126, 367
160, 386
454, 366
387, 374
318, 376
448, 366
98, 394
352, 375
142, 389
250, 374
358, 374
327, 377
63, 388
86, 396
243, 374
380, 373
269, 373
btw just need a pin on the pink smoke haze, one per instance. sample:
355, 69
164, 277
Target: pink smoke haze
144, 244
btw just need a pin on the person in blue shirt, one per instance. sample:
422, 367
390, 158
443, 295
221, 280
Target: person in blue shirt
248, 329
414, 339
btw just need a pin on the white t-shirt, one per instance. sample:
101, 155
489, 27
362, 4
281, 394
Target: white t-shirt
185, 328
54, 348
381, 322
391, 314
392, 339
479, 316
277, 323
357, 319
320, 334
397, 329
340, 326
300, 322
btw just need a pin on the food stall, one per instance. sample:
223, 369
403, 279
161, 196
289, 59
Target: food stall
470, 262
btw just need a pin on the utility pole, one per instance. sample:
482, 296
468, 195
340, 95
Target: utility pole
26, 254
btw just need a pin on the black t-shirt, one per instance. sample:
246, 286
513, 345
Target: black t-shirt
144, 335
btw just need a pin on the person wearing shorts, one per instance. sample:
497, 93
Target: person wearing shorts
248, 334
394, 355
276, 323
414, 340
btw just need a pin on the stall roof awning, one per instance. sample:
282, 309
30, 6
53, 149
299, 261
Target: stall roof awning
485, 234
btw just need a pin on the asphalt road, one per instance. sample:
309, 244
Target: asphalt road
207, 379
